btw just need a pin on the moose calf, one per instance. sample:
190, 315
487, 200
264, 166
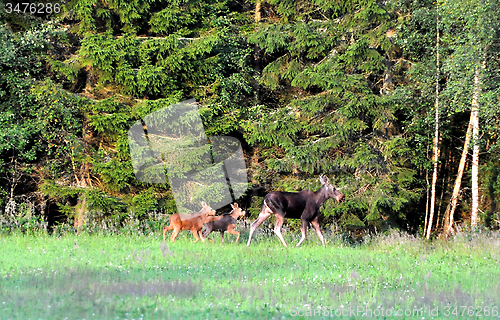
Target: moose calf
224, 223
195, 223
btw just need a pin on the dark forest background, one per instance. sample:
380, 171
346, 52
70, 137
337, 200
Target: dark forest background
348, 89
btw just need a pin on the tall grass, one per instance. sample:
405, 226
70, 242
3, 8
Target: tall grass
140, 277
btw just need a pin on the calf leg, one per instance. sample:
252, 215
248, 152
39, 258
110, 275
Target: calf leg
195, 234
303, 229
207, 231
165, 229
231, 230
263, 215
222, 236
201, 236
315, 225
174, 234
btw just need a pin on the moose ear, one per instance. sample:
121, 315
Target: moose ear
323, 179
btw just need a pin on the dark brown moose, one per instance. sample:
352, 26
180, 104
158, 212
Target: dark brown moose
304, 205
224, 223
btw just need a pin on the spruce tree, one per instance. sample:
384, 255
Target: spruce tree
327, 75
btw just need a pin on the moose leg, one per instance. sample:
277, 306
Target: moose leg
222, 236
315, 225
207, 231
231, 230
165, 229
195, 234
201, 236
303, 229
263, 215
277, 228
174, 234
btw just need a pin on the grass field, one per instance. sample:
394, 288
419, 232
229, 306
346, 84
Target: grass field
126, 277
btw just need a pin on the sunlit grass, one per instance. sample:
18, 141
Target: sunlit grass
111, 277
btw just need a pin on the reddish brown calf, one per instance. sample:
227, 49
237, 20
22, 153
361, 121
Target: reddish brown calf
194, 224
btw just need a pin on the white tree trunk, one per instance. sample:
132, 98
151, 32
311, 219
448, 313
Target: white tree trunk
475, 149
426, 196
450, 211
435, 157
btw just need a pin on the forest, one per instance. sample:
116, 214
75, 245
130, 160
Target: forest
397, 102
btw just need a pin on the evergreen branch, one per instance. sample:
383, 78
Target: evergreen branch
159, 38
313, 142
363, 189
331, 53
318, 140
340, 19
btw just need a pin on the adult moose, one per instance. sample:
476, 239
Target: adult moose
304, 205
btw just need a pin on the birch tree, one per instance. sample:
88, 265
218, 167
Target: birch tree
470, 32
475, 148
435, 145
450, 210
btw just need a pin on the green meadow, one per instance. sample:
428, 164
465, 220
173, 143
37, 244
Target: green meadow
141, 277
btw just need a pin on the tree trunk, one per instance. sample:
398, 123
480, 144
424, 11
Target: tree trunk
257, 11
82, 177
434, 175
436, 137
256, 59
81, 206
475, 149
427, 189
450, 210
445, 170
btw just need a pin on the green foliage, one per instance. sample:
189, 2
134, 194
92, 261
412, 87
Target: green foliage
24, 221
342, 88
65, 71
467, 39
41, 123
161, 67
116, 175
57, 191
145, 201
100, 201
328, 60
187, 16
110, 118
98, 16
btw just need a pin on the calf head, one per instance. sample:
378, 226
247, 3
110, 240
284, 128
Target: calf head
206, 209
237, 211
331, 191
